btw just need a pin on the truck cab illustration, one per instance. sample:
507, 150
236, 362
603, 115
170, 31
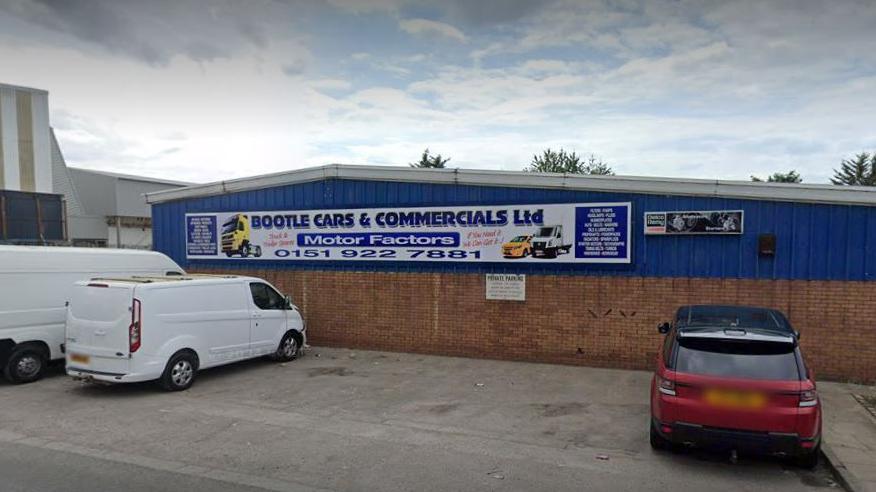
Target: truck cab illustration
236, 237
548, 242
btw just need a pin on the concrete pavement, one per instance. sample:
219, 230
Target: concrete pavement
26, 468
850, 434
370, 421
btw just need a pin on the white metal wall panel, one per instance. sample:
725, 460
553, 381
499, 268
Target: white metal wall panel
9, 117
61, 181
42, 160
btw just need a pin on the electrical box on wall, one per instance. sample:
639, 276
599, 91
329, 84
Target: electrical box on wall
766, 245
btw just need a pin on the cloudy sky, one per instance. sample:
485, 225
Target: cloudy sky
208, 90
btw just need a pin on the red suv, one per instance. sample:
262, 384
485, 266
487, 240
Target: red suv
732, 377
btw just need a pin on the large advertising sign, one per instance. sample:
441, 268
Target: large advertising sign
694, 222
562, 233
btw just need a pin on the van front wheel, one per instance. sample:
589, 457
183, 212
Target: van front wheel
288, 349
180, 372
25, 365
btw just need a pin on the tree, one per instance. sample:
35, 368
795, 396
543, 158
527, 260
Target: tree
791, 176
859, 171
598, 167
429, 161
551, 161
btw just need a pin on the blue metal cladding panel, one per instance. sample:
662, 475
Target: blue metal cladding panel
813, 241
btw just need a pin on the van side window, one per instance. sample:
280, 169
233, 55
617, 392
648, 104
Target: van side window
265, 297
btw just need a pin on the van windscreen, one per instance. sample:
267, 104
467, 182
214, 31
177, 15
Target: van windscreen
737, 359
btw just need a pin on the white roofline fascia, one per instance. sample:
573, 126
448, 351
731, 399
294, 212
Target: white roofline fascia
23, 88
132, 177
808, 193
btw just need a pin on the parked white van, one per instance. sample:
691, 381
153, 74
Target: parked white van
35, 284
126, 330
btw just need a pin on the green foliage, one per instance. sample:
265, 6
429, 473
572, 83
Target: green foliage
429, 161
551, 161
858, 171
791, 176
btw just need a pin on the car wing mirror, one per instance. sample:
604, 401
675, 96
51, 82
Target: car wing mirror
663, 328
797, 334
288, 300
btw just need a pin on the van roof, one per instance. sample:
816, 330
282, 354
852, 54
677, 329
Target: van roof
69, 250
58, 259
171, 279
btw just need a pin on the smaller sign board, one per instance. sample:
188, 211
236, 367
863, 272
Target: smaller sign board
694, 222
506, 287
201, 236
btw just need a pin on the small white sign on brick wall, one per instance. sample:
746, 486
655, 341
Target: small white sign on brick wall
506, 287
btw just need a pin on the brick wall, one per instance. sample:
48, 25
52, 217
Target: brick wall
594, 321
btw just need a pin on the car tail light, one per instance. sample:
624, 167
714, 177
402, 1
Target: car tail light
666, 386
135, 330
808, 398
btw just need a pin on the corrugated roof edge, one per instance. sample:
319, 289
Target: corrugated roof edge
813, 193
132, 177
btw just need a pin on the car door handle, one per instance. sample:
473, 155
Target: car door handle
256, 315
100, 333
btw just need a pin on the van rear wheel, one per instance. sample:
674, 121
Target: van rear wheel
25, 365
179, 374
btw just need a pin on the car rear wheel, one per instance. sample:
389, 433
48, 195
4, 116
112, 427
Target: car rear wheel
658, 442
179, 374
809, 460
25, 365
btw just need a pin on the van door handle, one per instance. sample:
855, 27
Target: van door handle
100, 333
256, 315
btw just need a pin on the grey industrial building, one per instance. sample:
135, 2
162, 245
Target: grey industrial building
43, 201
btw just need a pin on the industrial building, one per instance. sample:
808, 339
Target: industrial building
112, 210
43, 201
536, 267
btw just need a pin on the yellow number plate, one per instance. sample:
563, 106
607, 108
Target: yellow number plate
82, 359
735, 399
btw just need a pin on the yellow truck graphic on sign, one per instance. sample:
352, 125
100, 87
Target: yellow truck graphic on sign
236, 237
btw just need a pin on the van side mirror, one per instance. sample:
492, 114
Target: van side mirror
288, 300
663, 328
797, 334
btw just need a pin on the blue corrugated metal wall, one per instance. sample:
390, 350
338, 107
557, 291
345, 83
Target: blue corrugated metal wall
814, 242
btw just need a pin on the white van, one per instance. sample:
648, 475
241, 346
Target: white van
35, 284
167, 328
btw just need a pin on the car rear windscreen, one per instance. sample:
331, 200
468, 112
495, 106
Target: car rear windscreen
737, 359
732, 316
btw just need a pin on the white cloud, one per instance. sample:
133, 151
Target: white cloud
668, 90
430, 27
367, 6
331, 84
